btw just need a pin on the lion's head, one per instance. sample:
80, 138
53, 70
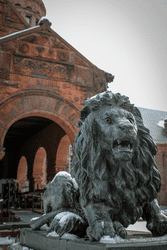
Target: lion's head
113, 149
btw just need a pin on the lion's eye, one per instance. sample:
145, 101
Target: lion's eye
108, 120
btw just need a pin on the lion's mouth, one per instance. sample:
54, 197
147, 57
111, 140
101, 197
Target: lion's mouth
123, 145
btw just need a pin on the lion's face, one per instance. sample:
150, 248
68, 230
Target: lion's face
119, 131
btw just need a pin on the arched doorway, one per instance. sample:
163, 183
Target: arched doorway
31, 122
16, 137
39, 144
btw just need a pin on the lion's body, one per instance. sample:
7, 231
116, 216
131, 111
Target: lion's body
114, 167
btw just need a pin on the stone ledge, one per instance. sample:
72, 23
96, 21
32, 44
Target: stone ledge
38, 240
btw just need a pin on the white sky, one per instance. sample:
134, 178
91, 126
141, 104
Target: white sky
127, 38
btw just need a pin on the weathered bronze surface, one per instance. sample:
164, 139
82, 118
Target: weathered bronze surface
116, 178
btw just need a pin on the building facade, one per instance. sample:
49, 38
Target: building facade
156, 122
44, 83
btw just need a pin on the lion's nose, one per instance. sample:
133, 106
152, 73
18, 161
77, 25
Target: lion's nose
125, 125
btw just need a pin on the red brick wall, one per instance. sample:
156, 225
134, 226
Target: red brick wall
161, 161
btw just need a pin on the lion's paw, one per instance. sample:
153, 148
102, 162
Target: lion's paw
67, 222
99, 229
120, 230
158, 225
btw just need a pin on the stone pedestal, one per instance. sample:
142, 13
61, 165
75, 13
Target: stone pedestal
39, 240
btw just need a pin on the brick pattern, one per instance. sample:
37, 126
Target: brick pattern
161, 161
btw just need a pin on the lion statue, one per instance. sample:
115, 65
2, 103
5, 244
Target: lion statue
114, 179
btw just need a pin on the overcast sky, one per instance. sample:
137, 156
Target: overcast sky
127, 38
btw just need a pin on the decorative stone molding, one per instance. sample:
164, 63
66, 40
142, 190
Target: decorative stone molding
31, 66
24, 48
44, 21
101, 80
63, 56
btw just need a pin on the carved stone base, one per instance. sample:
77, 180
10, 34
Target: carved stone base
39, 240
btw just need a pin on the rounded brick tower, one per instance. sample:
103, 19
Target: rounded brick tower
31, 10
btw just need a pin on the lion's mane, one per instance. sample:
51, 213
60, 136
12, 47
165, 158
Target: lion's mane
140, 177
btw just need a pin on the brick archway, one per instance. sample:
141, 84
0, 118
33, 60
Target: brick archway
22, 174
38, 103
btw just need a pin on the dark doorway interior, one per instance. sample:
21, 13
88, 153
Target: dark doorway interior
16, 137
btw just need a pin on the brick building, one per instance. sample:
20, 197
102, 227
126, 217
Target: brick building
44, 83
156, 121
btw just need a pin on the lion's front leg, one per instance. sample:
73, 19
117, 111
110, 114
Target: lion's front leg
100, 222
156, 220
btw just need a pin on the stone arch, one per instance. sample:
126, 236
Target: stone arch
22, 174
39, 169
38, 103
62, 154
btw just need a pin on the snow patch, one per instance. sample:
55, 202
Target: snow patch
68, 176
65, 236
161, 124
62, 173
69, 236
108, 239
35, 218
75, 184
63, 217
53, 234
45, 227
5, 240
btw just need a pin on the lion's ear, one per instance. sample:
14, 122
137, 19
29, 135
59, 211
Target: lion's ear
84, 113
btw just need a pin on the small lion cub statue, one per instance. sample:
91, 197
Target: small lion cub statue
114, 179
